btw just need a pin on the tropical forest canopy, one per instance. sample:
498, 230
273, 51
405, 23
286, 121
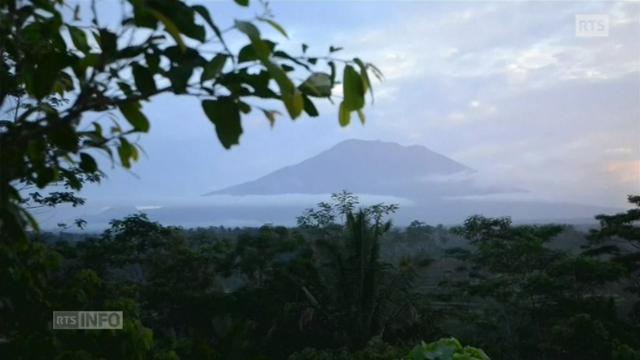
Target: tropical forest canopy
343, 284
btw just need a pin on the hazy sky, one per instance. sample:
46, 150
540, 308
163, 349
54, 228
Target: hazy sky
505, 88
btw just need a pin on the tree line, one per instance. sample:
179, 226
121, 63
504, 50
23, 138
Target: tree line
343, 284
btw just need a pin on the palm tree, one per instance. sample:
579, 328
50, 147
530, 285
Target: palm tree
360, 290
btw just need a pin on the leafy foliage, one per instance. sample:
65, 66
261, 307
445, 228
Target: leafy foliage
320, 292
524, 286
446, 349
618, 239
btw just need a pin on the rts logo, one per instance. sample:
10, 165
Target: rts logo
592, 25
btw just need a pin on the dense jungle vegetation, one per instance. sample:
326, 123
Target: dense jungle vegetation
343, 284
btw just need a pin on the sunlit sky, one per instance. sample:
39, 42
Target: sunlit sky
504, 87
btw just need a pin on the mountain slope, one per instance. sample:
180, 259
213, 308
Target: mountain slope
372, 167
428, 186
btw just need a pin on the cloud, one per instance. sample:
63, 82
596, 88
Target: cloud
147, 207
626, 172
505, 88
617, 151
474, 111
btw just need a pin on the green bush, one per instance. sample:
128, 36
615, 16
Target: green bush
443, 349
446, 349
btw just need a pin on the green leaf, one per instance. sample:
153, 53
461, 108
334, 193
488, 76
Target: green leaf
125, 88
183, 17
126, 152
242, 2
36, 150
134, 153
353, 89
144, 79
287, 68
171, 28
248, 29
88, 61
291, 96
361, 116
63, 135
377, 72
108, 43
294, 103
179, 77
46, 74
129, 52
318, 84
153, 61
333, 49
247, 53
284, 55
224, 113
244, 107
142, 17
365, 77
332, 65
275, 25
79, 39
63, 83
87, 163
131, 112
261, 47
309, 107
213, 68
344, 115
205, 15
45, 176
271, 116
76, 13
188, 57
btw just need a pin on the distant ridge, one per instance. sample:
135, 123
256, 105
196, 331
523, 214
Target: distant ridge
372, 167
437, 189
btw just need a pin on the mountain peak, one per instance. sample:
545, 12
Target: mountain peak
362, 166
381, 144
